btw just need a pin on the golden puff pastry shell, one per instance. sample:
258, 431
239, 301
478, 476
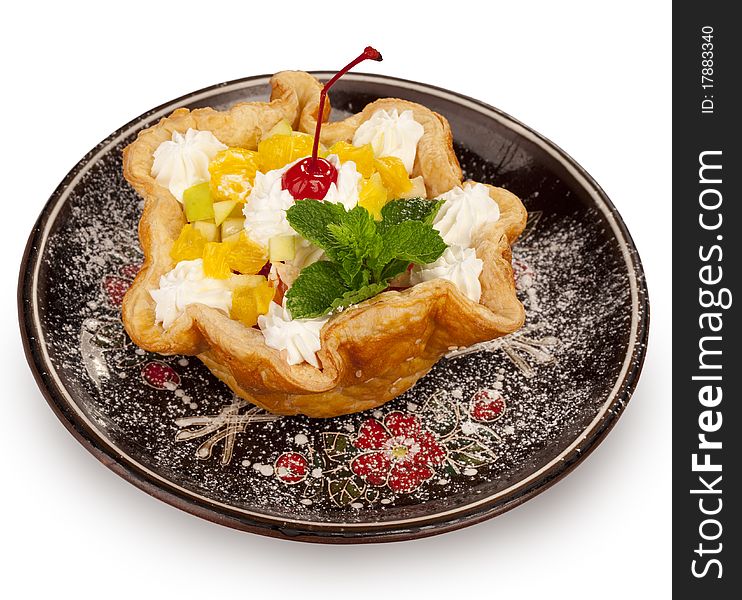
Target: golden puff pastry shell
370, 353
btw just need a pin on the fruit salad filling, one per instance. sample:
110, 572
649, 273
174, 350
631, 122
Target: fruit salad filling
283, 236
266, 206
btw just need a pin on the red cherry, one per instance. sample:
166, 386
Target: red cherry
158, 375
487, 405
291, 467
310, 178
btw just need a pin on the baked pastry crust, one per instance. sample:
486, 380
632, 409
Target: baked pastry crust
371, 352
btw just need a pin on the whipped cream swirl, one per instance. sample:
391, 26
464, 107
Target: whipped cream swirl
184, 160
186, 284
266, 206
391, 134
457, 265
348, 185
299, 338
463, 212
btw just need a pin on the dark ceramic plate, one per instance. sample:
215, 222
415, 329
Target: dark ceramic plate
508, 417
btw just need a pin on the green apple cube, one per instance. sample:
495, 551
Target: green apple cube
198, 203
222, 210
283, 127
232, 226
208, 229
282, 247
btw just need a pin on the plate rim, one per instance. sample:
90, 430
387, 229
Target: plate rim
128, 468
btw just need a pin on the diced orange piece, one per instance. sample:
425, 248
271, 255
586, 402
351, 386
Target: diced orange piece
279, 150
246, 256
189, 245
233, 173
373, 196
216, 264
394, 175
248, 303
363, 156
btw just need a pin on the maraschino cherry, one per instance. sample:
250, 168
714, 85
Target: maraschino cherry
312, 177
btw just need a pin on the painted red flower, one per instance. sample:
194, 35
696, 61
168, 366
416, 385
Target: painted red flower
487, 405
160, 375
116, 286
130, 271
399, 453
291, 467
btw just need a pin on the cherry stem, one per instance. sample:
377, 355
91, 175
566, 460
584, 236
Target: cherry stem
368, 53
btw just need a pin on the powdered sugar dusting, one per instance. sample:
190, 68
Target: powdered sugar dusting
482, 419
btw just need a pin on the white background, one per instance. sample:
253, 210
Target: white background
592, 76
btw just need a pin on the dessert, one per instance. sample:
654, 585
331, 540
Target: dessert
316, 267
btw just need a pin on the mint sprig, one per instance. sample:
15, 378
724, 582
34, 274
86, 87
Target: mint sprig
412, 209
311, 220
364, 255
318, 286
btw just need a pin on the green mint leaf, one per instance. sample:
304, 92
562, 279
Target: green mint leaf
359, 295
358, 227
410, 242
355, 240
310, 218
411, 209
394, 268
315, 290
364, 254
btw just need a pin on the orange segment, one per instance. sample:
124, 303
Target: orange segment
279, 150
189, 245
373, 196
394, 175
250, 302
216, 264
362, 156
233, 173
246, 256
